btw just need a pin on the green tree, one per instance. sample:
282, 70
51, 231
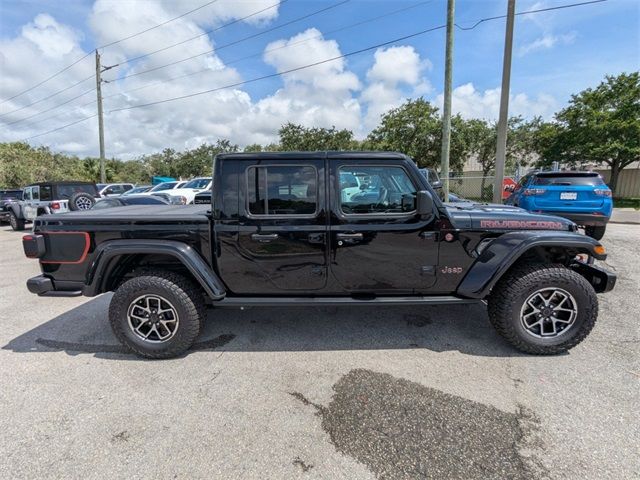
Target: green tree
602, 125
298, 138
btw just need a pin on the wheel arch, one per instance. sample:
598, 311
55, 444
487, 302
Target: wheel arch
507, 251
115, 260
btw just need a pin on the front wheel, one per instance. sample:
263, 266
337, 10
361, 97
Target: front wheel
543, 309
595, 232
16, 223
157, 315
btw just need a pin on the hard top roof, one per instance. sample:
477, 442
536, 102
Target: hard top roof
321, 154
62, 182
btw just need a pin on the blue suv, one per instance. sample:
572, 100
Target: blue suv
581, 197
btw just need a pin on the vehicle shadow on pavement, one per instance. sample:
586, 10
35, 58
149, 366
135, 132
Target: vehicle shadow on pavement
463, 328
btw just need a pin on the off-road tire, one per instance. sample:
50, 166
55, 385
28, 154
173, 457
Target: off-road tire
595, 232
16, 223
508, 296
183, 294
81, 201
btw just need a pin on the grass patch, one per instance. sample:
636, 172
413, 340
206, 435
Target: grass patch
627, 203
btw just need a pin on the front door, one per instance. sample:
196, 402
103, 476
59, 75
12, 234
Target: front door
282, 232
378, 244
31, 199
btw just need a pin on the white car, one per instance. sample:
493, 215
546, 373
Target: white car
113, 189
165, 187
192, 187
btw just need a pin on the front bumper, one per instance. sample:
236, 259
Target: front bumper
44, 287
602, 280
582, 219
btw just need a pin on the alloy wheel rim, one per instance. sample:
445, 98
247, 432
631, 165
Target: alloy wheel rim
83, 203
152, 318
548, 313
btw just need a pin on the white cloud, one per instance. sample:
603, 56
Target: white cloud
393, 68
546, 42
472, 103
326, 95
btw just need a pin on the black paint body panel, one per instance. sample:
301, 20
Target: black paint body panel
457, 250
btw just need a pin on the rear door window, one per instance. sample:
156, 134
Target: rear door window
282, 190
574, 180
66, 191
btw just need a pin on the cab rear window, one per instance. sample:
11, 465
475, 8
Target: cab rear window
282, 190
66, 191
588, 180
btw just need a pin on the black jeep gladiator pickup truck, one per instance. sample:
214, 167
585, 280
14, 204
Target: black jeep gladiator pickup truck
321, 228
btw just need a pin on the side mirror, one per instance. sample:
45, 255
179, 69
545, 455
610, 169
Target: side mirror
424, 203
436, 185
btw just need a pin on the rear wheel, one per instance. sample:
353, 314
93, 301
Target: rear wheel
158, 314
543, 309
15, 222
595, 232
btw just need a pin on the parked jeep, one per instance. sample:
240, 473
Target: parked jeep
280, 232
8, 197
51, 197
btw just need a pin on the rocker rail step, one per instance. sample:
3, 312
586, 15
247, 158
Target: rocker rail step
337, 301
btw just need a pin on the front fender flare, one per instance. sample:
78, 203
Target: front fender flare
505, 250
189, 257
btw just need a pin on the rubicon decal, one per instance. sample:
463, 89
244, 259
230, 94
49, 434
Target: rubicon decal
522, 224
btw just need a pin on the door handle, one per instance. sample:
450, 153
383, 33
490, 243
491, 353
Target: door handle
349, 238
264, 237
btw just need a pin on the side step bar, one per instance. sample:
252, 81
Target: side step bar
339, 301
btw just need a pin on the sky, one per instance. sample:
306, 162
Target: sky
234, 43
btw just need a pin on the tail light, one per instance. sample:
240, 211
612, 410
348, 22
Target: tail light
55, 205
33, 246
528, 192
602, 192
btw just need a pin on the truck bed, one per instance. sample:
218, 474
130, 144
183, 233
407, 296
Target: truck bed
148, 213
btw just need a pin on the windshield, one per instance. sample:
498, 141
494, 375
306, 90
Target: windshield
163, 186
560, 179
10, 194
135, 190
198, 183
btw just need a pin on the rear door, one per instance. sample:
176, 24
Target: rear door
282, 232
378, 244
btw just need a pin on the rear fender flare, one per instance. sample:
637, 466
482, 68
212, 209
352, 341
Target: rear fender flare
107, 253
504, 251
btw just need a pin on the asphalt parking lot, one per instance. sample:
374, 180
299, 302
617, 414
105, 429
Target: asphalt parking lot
429, 392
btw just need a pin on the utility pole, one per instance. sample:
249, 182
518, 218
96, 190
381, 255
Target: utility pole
446, 110
501, 150
100, 120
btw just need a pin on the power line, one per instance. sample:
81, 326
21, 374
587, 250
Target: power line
52, 108
159, 25
141, 56
346, 27
322, 10
303, 67
45, 80
129, 60
538, 10
60, 128
103, 46
262, 52
69, 87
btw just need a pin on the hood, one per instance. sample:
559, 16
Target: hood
504, 218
